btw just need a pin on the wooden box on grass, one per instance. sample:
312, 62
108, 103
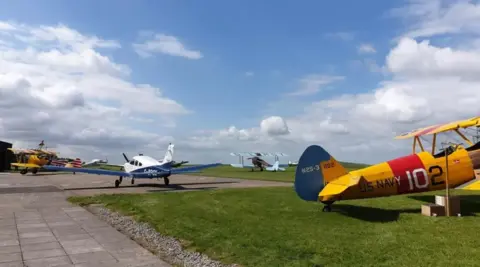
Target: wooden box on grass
433, 210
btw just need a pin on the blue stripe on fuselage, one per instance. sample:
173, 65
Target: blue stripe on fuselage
151, 172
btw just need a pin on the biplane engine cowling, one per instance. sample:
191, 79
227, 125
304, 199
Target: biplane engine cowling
308, 176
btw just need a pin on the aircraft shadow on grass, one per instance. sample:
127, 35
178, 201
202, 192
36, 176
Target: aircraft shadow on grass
161, 187
371, 214
469, 205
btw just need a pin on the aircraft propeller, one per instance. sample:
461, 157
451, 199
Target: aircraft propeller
125, 156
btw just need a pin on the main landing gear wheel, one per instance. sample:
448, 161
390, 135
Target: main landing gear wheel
166, 180
118, 182
328, 206
34, 171
23, 172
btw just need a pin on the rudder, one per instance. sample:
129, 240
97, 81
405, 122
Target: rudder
316, 167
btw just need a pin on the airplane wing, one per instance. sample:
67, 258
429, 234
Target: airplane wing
439, 128
86, 170
472, 184
25, 165
193, 168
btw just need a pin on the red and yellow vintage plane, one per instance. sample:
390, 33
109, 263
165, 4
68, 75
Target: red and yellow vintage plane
319, 177
35, 159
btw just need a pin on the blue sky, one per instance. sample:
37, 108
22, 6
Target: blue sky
287, 47
280, 43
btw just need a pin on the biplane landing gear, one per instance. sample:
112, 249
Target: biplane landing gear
118, 182
328, 206
34, 171
166, 180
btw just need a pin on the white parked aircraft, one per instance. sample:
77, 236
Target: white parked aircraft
141, 167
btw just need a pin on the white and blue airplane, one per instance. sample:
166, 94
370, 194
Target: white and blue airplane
140, 167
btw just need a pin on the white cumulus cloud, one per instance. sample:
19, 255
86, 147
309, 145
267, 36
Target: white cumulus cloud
165, 44
56, 85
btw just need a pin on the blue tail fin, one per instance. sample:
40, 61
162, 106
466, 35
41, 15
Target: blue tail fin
309, 180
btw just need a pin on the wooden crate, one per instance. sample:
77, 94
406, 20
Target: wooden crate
433, 210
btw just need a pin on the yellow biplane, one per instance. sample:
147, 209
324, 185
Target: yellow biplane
35, 159
319, 177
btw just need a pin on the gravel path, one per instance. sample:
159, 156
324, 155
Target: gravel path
169, 249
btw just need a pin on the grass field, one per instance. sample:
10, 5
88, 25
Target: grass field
272, 227
228, 171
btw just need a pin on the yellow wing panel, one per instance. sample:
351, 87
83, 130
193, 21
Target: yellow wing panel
475, 185
25, 165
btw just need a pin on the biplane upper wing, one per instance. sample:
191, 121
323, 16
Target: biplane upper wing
439, 128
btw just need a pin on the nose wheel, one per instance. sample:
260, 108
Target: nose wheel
118, 182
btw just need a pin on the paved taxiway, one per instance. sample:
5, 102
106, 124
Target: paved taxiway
38, 227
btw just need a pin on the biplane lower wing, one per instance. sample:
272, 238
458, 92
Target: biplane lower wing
25, 165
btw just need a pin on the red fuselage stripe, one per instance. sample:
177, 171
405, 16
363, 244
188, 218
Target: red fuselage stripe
408, 174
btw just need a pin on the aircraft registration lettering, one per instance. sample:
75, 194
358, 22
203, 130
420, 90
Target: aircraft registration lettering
150, 171
312, 168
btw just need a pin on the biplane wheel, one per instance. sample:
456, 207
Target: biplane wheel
117, 183
327, 208
23, 172
166, 180
34, 171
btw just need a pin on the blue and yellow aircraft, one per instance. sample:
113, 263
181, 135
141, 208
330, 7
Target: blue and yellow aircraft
319, 177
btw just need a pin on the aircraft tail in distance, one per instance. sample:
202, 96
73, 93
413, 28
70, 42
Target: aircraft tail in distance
169, 154
315, 169
275, 167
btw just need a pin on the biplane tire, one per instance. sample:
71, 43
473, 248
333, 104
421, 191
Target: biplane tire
327, 208
34, 171
117, 183
166, 180
23, 172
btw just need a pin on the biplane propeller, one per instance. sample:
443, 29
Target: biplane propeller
319, 177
